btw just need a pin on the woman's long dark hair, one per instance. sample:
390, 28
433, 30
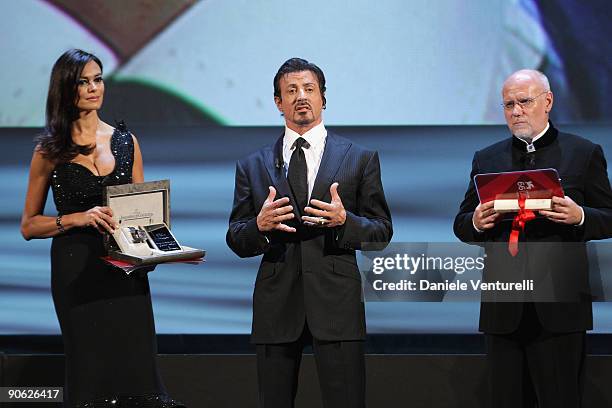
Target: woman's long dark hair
56, 141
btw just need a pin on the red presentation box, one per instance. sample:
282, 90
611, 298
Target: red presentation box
537, 187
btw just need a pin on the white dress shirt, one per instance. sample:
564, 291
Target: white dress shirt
315, 138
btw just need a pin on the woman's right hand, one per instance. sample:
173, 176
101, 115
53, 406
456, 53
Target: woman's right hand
101, 218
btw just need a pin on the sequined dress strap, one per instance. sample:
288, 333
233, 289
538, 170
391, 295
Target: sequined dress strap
123, 150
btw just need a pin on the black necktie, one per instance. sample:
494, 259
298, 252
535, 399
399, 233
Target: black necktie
298, 174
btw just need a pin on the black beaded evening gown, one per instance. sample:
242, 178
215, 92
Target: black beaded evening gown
105, 316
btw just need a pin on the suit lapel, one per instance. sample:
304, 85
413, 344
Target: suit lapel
335, 150
275, 166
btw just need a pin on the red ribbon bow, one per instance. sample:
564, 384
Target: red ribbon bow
518, 223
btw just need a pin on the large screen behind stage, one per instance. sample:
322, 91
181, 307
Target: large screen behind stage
389, 62
425, 171
419, 81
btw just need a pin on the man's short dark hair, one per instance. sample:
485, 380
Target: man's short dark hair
297, 65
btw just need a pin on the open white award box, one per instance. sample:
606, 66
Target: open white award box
144, 237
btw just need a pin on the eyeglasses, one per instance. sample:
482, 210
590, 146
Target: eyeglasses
523, 103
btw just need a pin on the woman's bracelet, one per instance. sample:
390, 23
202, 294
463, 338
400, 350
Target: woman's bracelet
58, 222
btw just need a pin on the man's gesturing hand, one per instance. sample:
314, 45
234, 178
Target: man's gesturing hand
274, 212
330, 214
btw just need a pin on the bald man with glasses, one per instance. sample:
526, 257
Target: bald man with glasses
536, 347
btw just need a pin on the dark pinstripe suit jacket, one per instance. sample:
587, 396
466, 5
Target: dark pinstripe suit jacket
310, 275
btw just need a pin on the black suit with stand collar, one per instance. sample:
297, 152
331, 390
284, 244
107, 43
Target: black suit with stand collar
522, 336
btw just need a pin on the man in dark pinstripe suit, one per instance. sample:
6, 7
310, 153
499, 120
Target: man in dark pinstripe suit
307, 203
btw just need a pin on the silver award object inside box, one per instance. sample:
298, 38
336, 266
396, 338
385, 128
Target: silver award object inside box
143, 213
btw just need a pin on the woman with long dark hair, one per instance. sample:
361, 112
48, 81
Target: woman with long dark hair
105, 316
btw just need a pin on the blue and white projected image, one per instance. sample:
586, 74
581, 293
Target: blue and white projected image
418, 81
389, 63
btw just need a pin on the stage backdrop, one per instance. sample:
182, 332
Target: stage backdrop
389, 62
418, 81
